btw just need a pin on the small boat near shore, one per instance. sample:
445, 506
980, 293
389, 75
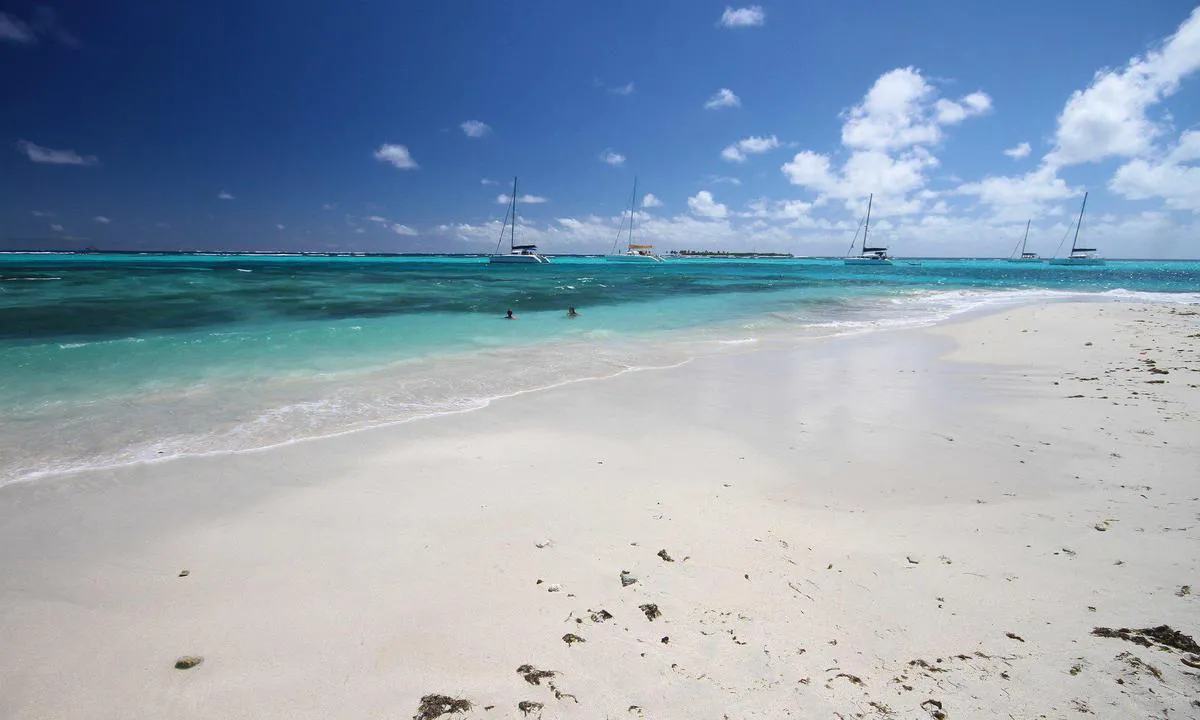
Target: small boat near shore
634, 253
1025, 257
517, 254
872, 256
1079, 256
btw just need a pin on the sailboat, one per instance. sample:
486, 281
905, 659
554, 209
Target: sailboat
1079, 256
870, 255
526, 254
1025, 256
633, 253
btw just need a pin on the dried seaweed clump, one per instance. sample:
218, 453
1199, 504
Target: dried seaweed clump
435, 706
1146, 637
532, 675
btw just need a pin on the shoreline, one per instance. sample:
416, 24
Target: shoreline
660, 350
834, 511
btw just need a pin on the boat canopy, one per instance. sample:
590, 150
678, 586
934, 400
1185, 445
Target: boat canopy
641, 247
524, 247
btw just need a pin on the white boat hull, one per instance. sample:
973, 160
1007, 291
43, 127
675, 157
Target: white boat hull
1025, 260
529, 259
1078, 262
631, 258
873, 262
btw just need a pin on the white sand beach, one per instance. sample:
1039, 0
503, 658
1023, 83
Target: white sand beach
906, 523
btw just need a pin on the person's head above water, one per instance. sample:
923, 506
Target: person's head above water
571, 312
510, 316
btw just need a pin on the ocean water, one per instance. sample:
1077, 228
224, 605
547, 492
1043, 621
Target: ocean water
114, 359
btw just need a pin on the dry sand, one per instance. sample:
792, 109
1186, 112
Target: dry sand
898, 524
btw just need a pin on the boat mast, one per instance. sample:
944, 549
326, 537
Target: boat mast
1079, 223
1027, 222
512, 242
867, 227
632, 212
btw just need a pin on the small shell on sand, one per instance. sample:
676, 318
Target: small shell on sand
187, 662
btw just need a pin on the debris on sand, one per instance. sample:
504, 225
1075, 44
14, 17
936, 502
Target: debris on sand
665, 639
665, 555
1146, 637
529, 706
184, 573
627, 578
435, 706
852, 678
600, 616
572, 638
1014, 636
541, 544
559, 695
532, 675
934, 708
651, 611
1183, 591
913, 560
1192, 661
187, 662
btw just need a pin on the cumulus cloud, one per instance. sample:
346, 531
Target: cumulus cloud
47, 156
43, 24
752, 16
402, 229
397, 156
101, 219
487, 181
56, 227
752, 145
612, 158
1023, 196
475, 128
278, 226
1020, 151
626, 89
1108, 118
722, 99
1172, 178
649, 200
702, 204
223, 195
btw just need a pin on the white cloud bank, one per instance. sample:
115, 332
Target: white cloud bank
397, 156
752, 16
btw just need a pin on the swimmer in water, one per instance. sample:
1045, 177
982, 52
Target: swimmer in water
571, 313
510, 316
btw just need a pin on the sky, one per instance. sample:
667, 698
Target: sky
387, 126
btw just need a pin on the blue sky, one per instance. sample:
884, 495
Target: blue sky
323, 126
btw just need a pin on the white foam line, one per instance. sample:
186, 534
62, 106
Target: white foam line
481, 404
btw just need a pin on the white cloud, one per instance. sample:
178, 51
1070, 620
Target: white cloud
41, 213
752, 145
475, 128
223, 195
722, 99
752, 16
328, 206
721, 180
950, 112
1024, 196
649, 200
1108, 119
101, 219
279, 226
626, 89
703, 205
56, 228
899, 111
1020, 151
612, 158
377, 219
522, 199
48, 156
486, 181
402, 229
397, 156
1169, 178
13, 30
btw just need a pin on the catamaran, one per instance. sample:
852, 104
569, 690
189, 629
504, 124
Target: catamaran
1079, 256
633, 253
870, 255
1024, 256
526, 254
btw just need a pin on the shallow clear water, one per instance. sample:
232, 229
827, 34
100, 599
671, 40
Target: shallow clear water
107, 359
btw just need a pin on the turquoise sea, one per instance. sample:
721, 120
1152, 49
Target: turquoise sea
113, 359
